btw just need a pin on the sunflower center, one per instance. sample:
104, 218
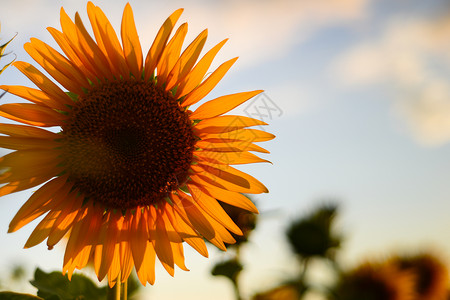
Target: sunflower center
127, 143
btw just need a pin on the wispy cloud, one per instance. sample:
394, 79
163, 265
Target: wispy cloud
259, 30
412, 56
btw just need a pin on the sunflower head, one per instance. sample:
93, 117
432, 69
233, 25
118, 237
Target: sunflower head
430, 275
133, 172
375, 282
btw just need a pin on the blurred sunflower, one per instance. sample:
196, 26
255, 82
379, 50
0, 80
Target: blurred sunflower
430, 275
375, 282
133, 172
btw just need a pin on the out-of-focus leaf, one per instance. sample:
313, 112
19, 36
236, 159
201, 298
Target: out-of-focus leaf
17, 296
313, 235
230, 269
55, 286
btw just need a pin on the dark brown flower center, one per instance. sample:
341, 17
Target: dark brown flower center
127, 143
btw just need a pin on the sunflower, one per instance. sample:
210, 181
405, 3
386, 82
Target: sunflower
375, 281
133, 172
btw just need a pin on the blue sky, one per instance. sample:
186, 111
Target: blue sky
364, 117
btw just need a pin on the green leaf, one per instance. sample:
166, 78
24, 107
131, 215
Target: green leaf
230, 269
17, 296
55, 286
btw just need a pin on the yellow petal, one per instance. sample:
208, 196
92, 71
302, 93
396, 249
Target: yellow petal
32, 114
33, 95
186, 61
72, 53
58, 97
222, 146
228, 158
130, 40
57, 60
109, 40
16, 143
23, 131
42, 230
194, 216
224, 195
178, 255
43, 200
221, 105
139, 236
146, 273
194, 78
17, 186
203, 89
161, 244
59, 69
170, 54
99, 60
186, 232
154, 54
213, 208
65, 220
109, 243
114, 269
229, 177
226, 123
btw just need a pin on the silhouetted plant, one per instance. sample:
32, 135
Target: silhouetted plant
312, 235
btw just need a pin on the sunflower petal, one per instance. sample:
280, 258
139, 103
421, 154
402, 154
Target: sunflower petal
59, 69
194, 78
161, 244
32, 114
70, 70
131, 46
186, 61
22, 131
222, 146
228, 158
186, 232
42, 230
154, 54
146, 273
108, 36
60, 99
221, 105
224, 195
170, 54
72, 53
33, 95
213, 208
139, 234
226, 123
43, 200
203, 89
65, 220
185, 208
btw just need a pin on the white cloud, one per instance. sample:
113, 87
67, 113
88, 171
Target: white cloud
413, 56
428, 113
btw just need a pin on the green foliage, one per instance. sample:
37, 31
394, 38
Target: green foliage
55, 286
17, 296
313, 234
230, 269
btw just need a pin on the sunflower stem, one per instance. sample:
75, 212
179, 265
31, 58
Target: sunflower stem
118, 284
125, 290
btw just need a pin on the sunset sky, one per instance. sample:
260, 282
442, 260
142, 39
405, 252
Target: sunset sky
358, 93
